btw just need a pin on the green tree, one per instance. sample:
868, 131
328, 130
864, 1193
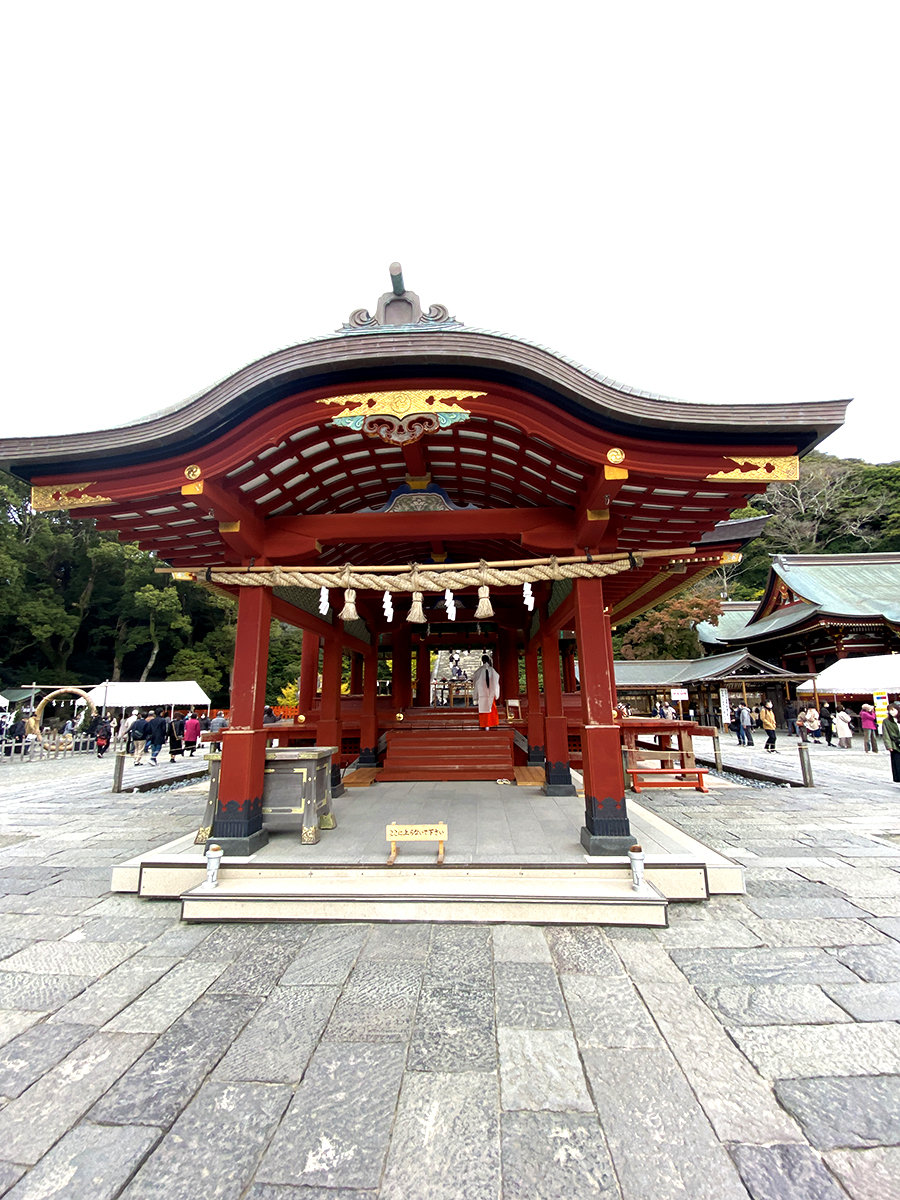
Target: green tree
670, 631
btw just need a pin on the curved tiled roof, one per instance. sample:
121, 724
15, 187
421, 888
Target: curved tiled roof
450, 353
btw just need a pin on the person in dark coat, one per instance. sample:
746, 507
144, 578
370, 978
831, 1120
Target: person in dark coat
890, 731
826, 721
175, 734
103, 733
139, 734
157, 735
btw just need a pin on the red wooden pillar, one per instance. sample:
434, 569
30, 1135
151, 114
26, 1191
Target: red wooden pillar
356, 673
423, 676
556, 729
368, 721
309, 671
535, 731
329, 728
508, 666
606, 828
237, 825
570, 683
401, 672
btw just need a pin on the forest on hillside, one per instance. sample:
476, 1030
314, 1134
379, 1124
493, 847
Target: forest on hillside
78, 606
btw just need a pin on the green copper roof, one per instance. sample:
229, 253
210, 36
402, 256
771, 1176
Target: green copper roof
845, 584
672, 672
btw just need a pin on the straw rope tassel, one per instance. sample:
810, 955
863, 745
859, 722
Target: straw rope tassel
416, 611
484, 608
348, 612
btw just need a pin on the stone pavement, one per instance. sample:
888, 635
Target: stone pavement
751, 1049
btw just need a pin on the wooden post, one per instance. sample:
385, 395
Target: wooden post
423, 675
309, 671
237, 826
368, 721
535, 728
356, 673
329, 728
606, 827
401, 674
118, 770
556, 727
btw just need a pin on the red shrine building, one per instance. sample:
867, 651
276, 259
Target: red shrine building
408, 484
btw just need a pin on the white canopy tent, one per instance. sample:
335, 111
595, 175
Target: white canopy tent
167, 694
4, 703
858, 677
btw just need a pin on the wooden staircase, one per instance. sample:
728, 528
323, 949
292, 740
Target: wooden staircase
448, 753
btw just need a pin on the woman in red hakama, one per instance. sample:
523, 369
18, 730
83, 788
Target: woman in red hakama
486, 688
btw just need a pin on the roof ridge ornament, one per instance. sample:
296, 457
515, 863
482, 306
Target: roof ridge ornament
398, 307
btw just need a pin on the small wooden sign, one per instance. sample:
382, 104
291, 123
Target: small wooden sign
436, 832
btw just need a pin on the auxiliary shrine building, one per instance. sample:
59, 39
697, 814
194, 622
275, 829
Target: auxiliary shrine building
410, 484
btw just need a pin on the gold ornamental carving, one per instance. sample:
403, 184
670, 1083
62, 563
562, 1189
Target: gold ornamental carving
193, 471
615, 455
754, 469
401, 418
55, 496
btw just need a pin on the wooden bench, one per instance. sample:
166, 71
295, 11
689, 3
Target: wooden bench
657, 777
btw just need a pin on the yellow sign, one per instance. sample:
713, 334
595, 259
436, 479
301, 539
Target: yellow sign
417, 833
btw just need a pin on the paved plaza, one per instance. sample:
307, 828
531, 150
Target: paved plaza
750, 1049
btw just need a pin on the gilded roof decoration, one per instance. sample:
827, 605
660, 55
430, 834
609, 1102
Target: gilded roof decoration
755, 469
53, 497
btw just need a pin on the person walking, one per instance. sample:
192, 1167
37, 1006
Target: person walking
746, 719
790, 716
191, 733
486, 690
869, 723
767, 719
843, 723
139, 733
103, 736
156, 735
175, 734
826, 720
216, 725
890, 731
813, 724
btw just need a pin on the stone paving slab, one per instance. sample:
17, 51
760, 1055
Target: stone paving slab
337, 1129
868, 1174
439, 1119
785, 1173
555, 1156
660, 1141
786, 1052
92, 1162
187, 1161
842, 1112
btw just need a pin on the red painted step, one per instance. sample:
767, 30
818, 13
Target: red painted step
436, 754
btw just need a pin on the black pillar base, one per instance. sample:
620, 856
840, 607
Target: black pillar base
368, 756
598, 843
606, 829
558, 779
337, 788
240, 847
537, 756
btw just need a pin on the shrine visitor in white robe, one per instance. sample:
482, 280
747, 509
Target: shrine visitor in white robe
486, 689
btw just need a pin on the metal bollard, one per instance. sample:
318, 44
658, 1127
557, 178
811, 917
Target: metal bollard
805, 765
213, 858
636, 856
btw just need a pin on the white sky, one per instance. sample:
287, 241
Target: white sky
699, 199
